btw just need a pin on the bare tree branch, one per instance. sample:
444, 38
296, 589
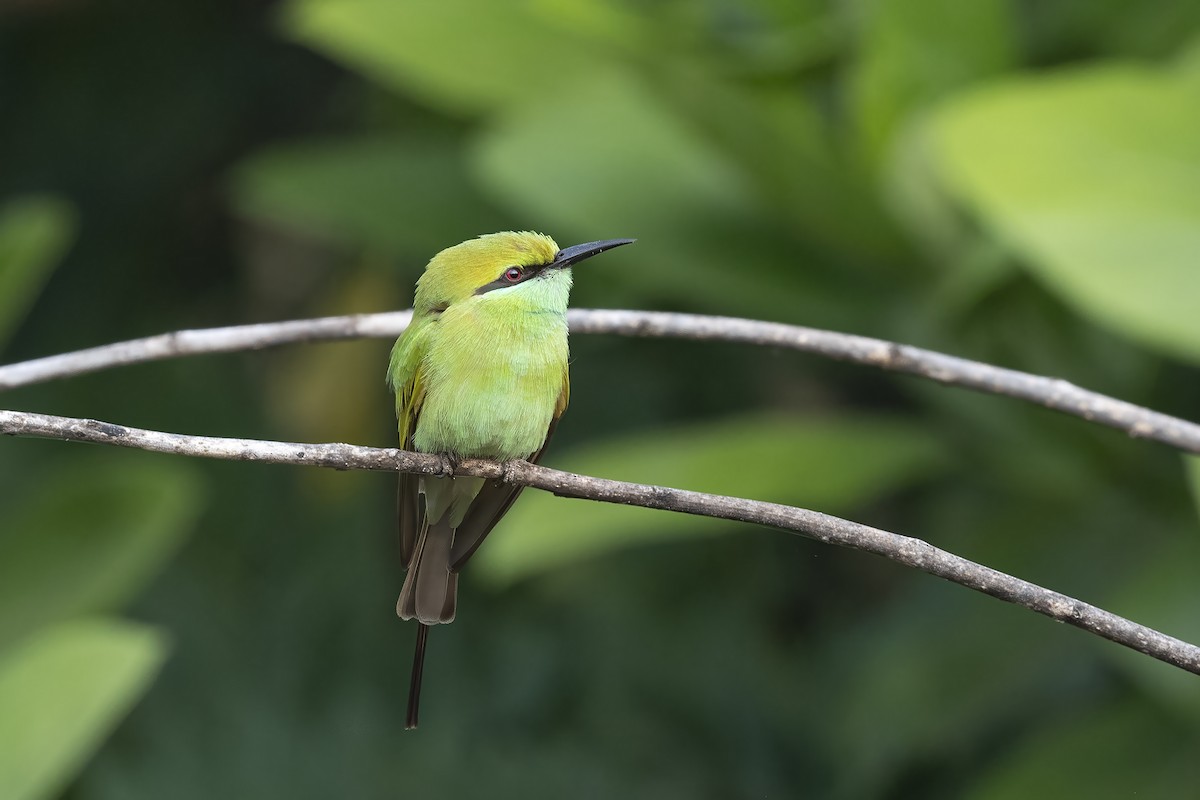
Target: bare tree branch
950, 370
822, 527
233, 339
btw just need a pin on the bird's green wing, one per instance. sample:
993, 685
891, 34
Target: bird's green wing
496, 497
408, 488
405, 373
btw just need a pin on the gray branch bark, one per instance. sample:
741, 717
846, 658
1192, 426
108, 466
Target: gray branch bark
946, 369
905, 550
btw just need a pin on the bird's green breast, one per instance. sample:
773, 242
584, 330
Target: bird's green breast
493, 371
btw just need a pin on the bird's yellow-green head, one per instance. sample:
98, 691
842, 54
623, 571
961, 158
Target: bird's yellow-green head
523, 267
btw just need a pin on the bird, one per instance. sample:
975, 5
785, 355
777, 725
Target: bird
481, 371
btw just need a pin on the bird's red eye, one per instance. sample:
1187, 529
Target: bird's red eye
513, 274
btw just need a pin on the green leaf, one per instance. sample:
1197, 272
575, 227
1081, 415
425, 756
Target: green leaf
400, 194
609, 156
916, 51
34, 232
779, 137
595, 142
829, 465
460, 55
1094, 176
62, 691
88, 539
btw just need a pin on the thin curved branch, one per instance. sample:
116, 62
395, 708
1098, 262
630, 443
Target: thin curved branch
233, 339
822, 527
1052, 393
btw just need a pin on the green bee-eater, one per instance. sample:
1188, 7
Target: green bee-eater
481, 372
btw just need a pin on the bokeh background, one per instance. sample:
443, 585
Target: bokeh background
1016, 181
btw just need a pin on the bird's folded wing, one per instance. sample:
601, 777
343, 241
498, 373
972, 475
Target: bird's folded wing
410, 394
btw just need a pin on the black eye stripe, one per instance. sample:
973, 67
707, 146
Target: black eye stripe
527, 272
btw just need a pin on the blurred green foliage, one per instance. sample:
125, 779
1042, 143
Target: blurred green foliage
33, 233
61, 691
80, 542
1007, 180
1119, 241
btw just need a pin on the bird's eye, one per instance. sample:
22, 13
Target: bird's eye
513, 274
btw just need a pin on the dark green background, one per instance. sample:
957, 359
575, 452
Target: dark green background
834, 164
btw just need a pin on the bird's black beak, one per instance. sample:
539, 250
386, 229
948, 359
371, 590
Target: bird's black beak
573, 255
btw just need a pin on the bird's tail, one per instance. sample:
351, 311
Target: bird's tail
429, 595
430, 591
414, 685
